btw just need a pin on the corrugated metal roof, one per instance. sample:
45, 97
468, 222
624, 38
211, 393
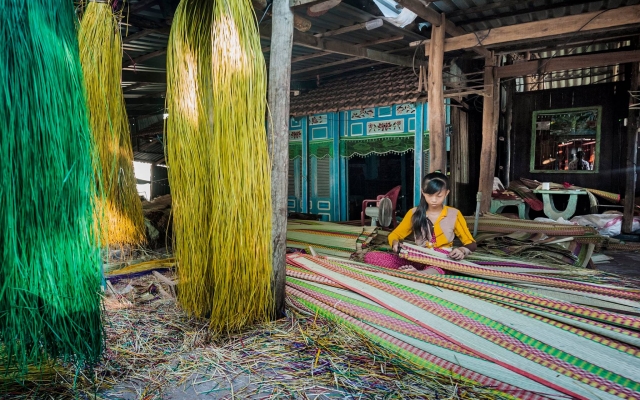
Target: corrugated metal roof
151, 151
470, 15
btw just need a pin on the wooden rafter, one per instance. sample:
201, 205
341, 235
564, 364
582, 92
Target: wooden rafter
339, 47
545, 65
365, 44
345, 29
331, 64
144, 57
548, 28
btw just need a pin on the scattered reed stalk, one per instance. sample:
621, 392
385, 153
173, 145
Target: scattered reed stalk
49, 260
119, 208
218, 163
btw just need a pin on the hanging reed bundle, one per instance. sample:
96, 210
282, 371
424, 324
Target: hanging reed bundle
49, 264
119, 208
218, 162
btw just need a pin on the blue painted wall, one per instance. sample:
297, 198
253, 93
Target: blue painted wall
355, 124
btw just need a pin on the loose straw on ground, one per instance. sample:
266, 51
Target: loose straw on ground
218, 162
120, 210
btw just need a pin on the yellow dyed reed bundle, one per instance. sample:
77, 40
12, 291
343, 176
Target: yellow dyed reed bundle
218, 162
119, 210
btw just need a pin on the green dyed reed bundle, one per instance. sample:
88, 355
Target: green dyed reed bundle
218, 162
49, 260
119, 208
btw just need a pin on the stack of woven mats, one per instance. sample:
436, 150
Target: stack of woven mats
520, 343
328, 238
576, 242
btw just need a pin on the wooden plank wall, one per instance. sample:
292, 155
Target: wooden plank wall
613, 98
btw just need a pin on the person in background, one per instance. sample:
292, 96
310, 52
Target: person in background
433, 224
579, 163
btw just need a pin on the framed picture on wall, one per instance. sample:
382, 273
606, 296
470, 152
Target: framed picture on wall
566, 140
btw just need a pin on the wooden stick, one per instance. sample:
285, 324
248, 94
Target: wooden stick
632, 152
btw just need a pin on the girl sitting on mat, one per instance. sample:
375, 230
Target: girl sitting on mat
433, 224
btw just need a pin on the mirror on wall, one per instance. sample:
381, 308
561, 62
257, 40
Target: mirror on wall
566, 141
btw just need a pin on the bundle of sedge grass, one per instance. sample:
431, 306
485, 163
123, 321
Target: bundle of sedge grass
119, 208
218, 162
49, 264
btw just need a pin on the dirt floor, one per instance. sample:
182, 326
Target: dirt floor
623, 263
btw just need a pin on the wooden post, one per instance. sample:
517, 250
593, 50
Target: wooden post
489, 132
278, 139
632, 154
437, 139
528, 79
508, 120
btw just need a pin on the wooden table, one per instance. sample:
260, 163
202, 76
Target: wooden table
550, 209
497, 205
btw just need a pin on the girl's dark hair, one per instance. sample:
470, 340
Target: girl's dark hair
431, 184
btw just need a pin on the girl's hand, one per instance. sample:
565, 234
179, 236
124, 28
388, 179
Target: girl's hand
408, 268
459, 253
395, 246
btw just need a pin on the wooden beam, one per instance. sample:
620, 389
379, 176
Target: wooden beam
319, 9
437, 139
545, 65
335, 46
328, 65
278, 141
144, 57
346, 29
595, 21
150, 77
489, 139
350, 69
633, 121
365, 44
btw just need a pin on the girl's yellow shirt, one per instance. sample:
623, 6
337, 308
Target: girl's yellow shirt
450, 223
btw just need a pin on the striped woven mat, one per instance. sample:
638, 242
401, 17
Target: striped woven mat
518, 343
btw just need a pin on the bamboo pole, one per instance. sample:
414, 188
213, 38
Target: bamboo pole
278, 96
632, 153
489, 126
437, 140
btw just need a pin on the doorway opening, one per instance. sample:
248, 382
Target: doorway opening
377, 174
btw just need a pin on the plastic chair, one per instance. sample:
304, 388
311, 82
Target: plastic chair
392, 195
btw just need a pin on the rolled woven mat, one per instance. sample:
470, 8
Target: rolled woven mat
526, 194
508, 225
392, 261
